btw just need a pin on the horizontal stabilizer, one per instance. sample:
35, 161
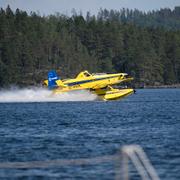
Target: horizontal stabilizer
60, 83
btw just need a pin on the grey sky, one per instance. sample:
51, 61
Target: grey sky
65, 6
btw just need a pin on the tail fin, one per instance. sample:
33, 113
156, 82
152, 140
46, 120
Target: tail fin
52, 78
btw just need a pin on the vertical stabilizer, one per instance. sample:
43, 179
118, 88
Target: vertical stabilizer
52, 78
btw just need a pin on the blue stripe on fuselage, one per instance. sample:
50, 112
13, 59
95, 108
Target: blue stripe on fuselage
86, 81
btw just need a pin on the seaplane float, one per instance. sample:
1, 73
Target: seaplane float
98, 83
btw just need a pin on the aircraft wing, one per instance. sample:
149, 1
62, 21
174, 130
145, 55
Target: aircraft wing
103, 85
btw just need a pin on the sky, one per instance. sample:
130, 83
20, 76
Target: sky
46, 7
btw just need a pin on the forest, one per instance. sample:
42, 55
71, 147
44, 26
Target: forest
145, 45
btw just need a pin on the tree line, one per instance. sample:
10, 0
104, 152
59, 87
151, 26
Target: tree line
130, 41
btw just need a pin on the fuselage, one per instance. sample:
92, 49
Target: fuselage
86, 80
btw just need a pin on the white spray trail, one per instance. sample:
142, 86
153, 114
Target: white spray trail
43, 95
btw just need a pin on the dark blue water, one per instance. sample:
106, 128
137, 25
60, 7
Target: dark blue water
66, 130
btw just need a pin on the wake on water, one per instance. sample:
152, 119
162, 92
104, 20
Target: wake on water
35, 94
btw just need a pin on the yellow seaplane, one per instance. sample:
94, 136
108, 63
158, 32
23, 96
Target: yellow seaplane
98, 83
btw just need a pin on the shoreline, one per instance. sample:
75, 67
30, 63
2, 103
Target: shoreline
176, 86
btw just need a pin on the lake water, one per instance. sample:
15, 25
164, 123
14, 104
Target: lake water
39, 131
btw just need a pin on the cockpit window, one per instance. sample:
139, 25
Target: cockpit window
86, 74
